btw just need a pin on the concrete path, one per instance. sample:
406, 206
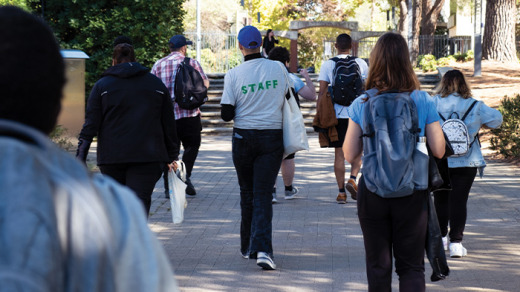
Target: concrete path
317, 243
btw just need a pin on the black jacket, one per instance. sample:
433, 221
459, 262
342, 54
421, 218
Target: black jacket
131, 113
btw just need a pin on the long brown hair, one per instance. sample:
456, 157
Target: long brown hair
454, 81
390, 66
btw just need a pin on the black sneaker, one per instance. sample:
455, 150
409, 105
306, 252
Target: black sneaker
190, 189
265, 261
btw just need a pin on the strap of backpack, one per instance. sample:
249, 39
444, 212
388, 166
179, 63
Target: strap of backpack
185, 61
469, 110
465, 115
477, 137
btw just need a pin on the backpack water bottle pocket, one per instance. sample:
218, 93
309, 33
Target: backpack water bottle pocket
420, 170
369, 169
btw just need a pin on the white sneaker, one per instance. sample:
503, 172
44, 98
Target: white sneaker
289, 195
457, 250
445, 242
265, 261
274, 200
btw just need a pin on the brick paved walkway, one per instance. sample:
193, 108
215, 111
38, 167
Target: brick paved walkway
317, 243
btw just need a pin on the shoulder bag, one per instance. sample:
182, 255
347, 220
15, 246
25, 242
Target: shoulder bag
294, 132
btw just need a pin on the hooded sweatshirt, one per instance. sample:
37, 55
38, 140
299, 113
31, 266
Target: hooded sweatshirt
131, 113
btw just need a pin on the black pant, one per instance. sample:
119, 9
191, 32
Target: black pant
139, 177
393, 226
257, 156
189, 134
451, 206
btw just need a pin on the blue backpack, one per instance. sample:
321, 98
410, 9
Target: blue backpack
390, 134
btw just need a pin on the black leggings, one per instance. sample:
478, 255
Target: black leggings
451, 206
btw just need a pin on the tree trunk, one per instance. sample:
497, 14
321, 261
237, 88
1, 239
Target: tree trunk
499, 31
417, 15
403, 19
429, 23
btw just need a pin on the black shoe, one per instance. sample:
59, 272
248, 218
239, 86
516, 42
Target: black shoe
190, 189
167, 194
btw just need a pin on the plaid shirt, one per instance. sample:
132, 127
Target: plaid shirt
166, 69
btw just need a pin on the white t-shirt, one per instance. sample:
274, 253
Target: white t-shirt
257, 90
326, 74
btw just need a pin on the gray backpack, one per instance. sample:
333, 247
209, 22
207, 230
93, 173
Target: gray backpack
390, 132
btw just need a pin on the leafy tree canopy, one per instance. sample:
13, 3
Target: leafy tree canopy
277, 15
20, 3
92, 26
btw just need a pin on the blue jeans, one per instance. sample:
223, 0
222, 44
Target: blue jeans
257, 156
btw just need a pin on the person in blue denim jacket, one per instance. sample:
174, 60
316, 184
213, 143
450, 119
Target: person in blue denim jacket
454, 96
62, 228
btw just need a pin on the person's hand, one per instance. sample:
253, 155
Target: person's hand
304, 72
172, 166
82, 151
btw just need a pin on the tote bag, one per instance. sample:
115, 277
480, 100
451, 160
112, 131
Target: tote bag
294, 132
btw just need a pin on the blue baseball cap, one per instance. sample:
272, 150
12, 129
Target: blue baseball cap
249, 37
179, 41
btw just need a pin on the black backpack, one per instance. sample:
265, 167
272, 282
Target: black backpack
347, 83
189, 90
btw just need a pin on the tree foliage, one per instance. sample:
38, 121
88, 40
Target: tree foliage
92, 25
214, 18
19, 3
277, 15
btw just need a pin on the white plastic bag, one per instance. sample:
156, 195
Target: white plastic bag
177, 189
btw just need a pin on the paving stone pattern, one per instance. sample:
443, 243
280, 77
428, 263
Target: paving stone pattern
317, 243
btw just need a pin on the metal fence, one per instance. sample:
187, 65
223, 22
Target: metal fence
219, 51
442, 45
437, 45
365, 46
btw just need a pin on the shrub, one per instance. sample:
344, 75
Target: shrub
219, 62
419, 59
59, 138
507, 137
460, 57
427, 63
470, 55
445, 61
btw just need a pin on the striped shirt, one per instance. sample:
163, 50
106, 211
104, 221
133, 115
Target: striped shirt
166, 69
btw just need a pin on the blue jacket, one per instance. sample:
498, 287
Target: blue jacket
64, 229
481, 114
